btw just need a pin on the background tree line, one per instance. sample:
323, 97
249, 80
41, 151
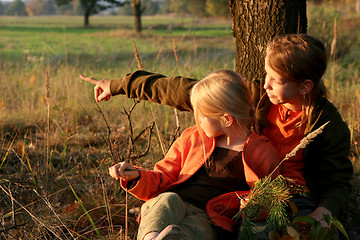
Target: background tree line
199, 8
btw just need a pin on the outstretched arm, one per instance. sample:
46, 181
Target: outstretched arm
172, 91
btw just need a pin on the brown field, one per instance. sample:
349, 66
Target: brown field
57, 143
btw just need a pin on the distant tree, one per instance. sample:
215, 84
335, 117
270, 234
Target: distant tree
218, 8
72, 8
2, 8
93, 6
66, 9
193, 7
16, 8
127, 10
138, 10
40, 7
196, 7
77, 8
166, 6
50, 7
150, 7
178, 6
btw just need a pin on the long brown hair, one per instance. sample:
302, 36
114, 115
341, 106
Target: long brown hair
300, 57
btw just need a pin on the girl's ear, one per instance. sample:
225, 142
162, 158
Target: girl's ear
227, 120
306, 87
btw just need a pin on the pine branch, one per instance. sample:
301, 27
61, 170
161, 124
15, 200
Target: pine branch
270, 197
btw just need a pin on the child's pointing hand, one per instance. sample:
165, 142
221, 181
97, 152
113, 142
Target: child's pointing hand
101, 89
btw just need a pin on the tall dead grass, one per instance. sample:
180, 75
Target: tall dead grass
56, 145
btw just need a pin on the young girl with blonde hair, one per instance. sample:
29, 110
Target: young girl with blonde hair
214, 158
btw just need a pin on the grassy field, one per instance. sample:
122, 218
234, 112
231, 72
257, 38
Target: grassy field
55, 140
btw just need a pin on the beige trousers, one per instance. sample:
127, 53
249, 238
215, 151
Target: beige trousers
168, 208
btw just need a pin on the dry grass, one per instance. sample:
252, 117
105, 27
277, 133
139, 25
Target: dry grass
64, 156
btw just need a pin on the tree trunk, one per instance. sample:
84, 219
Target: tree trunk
254, 23
137, 14
86, 18
88, 6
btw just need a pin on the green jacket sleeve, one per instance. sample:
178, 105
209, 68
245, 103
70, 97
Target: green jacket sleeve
172, 91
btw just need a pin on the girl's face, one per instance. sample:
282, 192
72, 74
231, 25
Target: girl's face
282, 91
211, 126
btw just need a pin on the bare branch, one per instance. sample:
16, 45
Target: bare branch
109, 133
150, 128
32, 215
175, 135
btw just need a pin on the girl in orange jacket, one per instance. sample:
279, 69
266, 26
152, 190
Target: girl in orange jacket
217, 156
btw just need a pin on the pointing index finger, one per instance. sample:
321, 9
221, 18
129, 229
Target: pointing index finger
89, 79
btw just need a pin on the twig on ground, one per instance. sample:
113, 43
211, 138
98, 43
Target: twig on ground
6, 229
56, 215
32, 215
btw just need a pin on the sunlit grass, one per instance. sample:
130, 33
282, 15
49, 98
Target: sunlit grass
29, 47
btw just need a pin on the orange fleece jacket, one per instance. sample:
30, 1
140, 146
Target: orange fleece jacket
190, 151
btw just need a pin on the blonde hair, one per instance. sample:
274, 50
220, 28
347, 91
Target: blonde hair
220, 92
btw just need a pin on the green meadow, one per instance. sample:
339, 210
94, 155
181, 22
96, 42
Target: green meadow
57, 143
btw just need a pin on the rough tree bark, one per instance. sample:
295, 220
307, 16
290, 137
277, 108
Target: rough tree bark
254, 23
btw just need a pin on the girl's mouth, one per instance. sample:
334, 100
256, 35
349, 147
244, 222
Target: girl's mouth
269, 95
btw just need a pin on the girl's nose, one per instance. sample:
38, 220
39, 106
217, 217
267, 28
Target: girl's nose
267, 84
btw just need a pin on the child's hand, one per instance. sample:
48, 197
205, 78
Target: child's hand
319, 213
124, 170
101, 89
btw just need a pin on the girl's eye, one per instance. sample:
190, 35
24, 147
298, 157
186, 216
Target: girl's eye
278, 81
